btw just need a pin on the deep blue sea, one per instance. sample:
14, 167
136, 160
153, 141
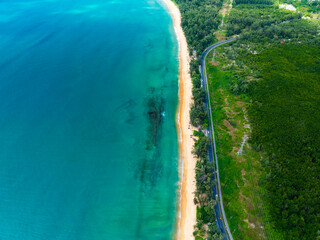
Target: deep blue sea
88, 141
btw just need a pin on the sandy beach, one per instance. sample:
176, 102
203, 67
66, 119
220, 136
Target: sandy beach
187, 209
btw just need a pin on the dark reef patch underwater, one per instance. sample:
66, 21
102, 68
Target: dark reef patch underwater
150, 170
89, 147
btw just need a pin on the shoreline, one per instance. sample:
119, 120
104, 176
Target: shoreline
186, 214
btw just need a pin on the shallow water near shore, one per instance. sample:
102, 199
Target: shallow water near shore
89, 146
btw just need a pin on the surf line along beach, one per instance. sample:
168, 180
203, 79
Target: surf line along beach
187, 209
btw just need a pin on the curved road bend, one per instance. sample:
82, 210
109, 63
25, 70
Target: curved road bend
219, 209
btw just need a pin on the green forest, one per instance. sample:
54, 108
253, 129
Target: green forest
275, 73
203, 196
263, 2
304, 6
285, 121
256, 18
266, 86
199, 22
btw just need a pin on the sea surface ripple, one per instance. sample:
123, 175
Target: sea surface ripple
88, 142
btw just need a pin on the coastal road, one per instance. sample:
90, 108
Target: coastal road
219, 209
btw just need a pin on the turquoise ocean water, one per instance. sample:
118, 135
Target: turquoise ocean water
88, 142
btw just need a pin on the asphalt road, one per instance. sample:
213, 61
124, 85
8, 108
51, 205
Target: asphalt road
219, 209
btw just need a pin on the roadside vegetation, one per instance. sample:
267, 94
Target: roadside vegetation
265, 90
206, 227
239, 174
199, 22
265, 86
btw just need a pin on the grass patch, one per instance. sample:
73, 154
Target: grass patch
239, 175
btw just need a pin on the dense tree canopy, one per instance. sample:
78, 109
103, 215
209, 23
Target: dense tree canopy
286, 121
279, 67
199, 22
283, 83
265, 2
249, 18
